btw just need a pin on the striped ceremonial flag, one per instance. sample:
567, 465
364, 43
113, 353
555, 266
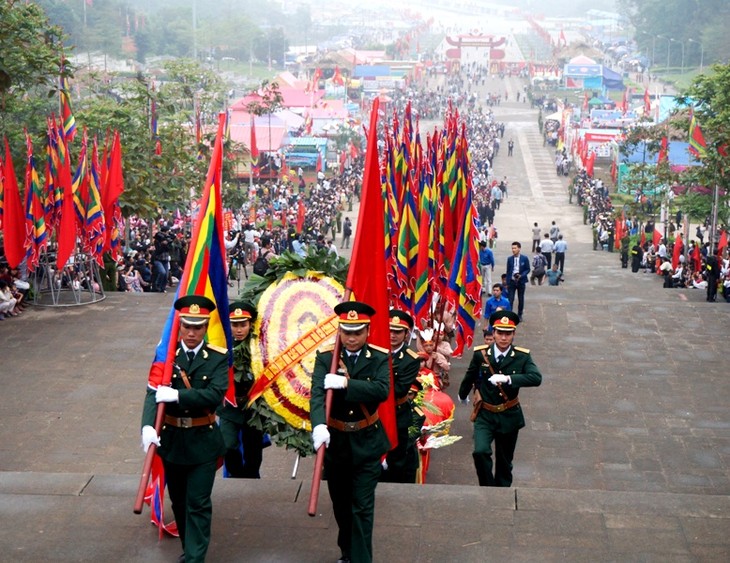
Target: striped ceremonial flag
697, 144
67, 117
36, 237
204, 274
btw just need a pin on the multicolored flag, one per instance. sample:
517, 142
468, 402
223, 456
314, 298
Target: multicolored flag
204, 274
36, 237
67, 116
254, 150
94, 221
66, 224
113, 189
697, 144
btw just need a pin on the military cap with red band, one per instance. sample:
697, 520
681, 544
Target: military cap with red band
353, 315
241, 311
194, 309
400, 320
504, 320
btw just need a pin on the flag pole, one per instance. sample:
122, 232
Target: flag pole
147, 465
319, 459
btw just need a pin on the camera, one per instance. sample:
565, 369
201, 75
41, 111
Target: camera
516, 277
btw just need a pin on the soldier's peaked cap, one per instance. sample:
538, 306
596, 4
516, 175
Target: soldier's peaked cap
194, 309
354, 315
400, 320
504, 320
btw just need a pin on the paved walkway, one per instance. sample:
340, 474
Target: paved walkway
626, 453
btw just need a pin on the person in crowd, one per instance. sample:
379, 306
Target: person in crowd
518, 270
560, 248
190, 442
496, 374
536, 231
496, 301
546, 248
244, 442
352, 432
486, 266
401, 462
539, 265
554, 276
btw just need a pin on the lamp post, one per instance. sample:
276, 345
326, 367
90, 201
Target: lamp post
669, 48
681, 43
702, 52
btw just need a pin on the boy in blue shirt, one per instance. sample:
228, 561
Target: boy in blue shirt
496, 301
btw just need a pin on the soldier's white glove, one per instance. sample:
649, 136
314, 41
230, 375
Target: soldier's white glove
320, 435
149, 437
500, 378
464, 401
334, 381
167, 394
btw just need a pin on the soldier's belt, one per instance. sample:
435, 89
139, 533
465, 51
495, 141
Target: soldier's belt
403, 399
501, 407
189, 422
343, 426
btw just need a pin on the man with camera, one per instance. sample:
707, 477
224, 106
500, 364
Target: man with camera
518, 269
161, 259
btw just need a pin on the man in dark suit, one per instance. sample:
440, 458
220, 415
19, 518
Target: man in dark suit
518, 270
402, 461
234, 421
190, 441
496, 373
353, 434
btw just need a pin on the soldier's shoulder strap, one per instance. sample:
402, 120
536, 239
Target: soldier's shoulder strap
413, 354
379, 348
328, 348
482, 347
218, 349
521, 349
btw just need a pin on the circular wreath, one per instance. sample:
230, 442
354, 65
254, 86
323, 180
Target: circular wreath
294, 300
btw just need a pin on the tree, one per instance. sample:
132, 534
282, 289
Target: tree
708, 96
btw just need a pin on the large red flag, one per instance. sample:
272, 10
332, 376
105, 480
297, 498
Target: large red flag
367, 276
677, 250
254, 150
13, 216
66, 225
113, 188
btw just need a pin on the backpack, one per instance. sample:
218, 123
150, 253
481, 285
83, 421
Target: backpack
261, 265
538, 265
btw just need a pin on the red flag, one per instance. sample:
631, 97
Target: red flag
13, 216
664, 150
677, 250
66, 225
590, 162
337, 77
301, 212
625, 101
254, 150
585, 101
367, 276
656, 238
647, 102
113, 188
319, 162
722, 243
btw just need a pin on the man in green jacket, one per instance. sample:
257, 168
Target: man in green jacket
353, 434
496, 373
401, 464
190, 441
235, 421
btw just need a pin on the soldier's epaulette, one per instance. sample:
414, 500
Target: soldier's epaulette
521, 349
482, 347
327, 348
218, 349
412, 353
379, 348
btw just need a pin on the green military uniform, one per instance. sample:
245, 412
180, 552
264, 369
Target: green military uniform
190, 454
235, 421
352, 460
500, 427
402, 461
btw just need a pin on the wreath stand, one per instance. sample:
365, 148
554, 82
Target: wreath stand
55, 288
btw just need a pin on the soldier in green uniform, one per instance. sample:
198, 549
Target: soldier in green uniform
401, 463
496, 373
353, 434
190, 441
234, 421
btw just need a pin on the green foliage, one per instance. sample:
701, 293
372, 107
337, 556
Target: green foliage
31, 50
